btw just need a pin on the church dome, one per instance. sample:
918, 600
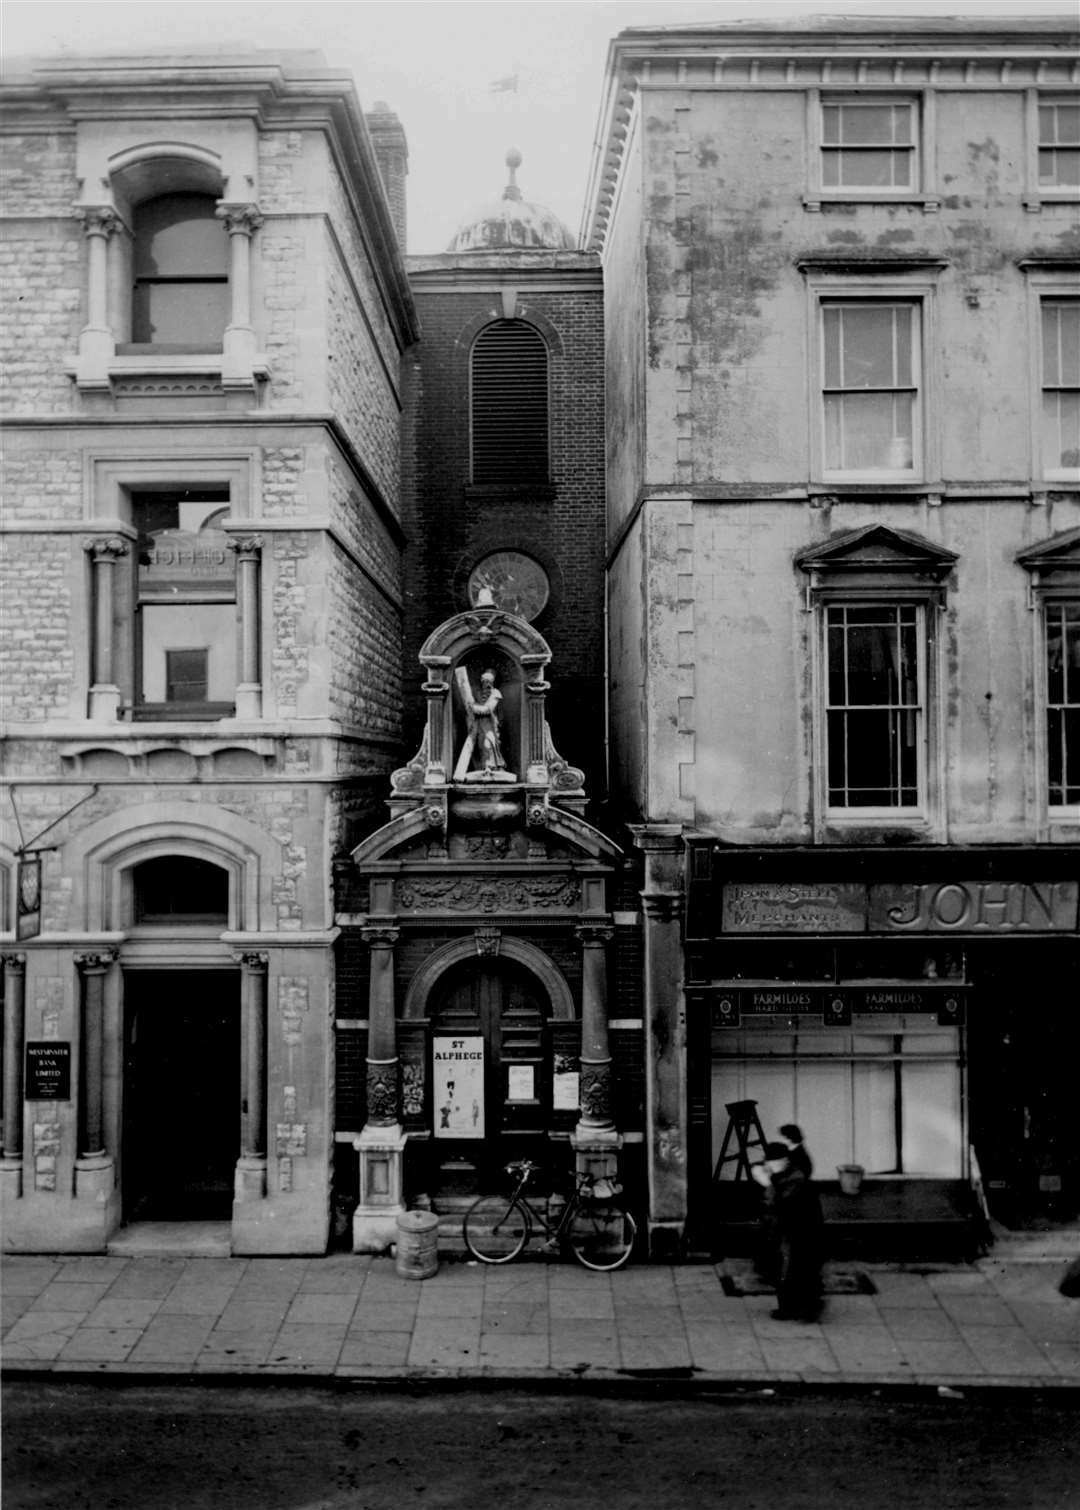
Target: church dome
512, 223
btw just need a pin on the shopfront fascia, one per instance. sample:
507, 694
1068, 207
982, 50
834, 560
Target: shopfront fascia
910, 1010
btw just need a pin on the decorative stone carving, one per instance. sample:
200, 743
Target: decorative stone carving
537, 815
251, 959
435, 815
239, 219
105, 547
595, 1092
380, 937
382, 1092
410, 778
481, 757
95, 960
488, 894
98, 219
488, 941
245, 545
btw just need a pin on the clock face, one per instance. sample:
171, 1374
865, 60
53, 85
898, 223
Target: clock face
517, 583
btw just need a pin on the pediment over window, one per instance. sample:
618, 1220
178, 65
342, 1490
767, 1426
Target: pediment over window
1057, 558
876, 550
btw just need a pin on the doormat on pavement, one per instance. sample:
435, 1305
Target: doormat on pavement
738, 1281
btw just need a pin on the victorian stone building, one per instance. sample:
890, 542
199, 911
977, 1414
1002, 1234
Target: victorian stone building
203, 614
843, 477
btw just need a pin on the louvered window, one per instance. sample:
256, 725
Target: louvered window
509, 404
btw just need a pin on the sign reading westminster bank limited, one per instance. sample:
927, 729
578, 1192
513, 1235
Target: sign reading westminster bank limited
901, 907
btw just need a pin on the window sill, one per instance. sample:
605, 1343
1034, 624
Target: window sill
928, 203
182, 712
133, 363
1034, 202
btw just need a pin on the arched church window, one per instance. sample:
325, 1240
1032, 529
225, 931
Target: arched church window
509, 404
180, 891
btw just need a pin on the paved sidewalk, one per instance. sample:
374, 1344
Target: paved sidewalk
996, 1323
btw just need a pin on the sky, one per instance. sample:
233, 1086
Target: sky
435, 63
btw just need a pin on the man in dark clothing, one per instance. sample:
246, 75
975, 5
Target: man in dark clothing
796, 1222
792, 1136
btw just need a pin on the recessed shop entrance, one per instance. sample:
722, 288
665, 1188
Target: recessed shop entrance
491, 1099
181, 1129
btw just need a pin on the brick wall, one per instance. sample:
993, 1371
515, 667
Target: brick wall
451, 528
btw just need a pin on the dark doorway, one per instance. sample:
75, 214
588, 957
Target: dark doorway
503, 1005
181, 1094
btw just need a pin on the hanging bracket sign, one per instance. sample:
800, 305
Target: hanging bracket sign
457, 1083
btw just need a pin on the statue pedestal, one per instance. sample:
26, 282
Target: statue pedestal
596, 1151
381, 1154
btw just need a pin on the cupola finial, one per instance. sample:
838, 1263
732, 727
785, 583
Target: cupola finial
513, 162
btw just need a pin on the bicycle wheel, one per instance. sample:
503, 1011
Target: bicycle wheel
495, 1229
601, 1236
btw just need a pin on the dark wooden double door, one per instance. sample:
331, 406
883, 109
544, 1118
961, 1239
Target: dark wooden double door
502, 1005
181, 1094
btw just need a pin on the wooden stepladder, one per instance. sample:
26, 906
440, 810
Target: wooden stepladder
744, 1129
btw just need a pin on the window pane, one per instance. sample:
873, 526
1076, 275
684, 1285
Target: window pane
186, 676
176, 889
868, 432
868, 347
837, 693
873, 170
1067, 124
179, 236
1061, 430
870, 124
175, 314
833, 316
830, 124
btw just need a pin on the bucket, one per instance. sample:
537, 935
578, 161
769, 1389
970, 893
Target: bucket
417, 1244
851, 1178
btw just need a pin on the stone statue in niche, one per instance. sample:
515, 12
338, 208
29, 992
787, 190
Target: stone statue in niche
481, 758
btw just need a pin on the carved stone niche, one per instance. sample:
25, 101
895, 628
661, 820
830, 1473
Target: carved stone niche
486, 760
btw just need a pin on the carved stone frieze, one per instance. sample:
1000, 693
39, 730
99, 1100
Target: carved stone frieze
489, 894
95, 960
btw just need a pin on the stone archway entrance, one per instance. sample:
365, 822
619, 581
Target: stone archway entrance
490, 1110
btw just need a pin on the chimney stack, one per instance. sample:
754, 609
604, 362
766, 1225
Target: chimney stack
392, 155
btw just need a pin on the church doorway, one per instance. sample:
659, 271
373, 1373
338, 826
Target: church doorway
491, 1093
181, 1094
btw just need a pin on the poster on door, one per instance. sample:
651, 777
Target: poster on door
458, 1087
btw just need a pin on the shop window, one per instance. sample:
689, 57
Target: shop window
869, 144
177, 890
871, 390
1063, 703
509, 404
875, 702
180, 299
1060, 333
1059, 144
185, 613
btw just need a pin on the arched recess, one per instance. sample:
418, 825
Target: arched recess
529, 956
105, 853
164, 167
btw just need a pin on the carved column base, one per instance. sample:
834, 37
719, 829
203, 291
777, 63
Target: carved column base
249, 701
596, 1096
381, 1152
97, 1195
249, 1181
11, 1178
596, 1152
105, 703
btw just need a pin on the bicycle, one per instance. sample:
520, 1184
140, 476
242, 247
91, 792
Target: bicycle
592, 1224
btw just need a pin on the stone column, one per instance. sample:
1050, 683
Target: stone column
595, 1141
250, 1181
104, 552
248, 550
94, 1167
97, 342
241, 221
381, 1145
14, 1030
665, 1037
534, 756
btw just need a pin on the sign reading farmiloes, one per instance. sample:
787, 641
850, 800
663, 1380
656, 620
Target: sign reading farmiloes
904, 907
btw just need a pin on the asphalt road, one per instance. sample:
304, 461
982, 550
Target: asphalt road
106, 1446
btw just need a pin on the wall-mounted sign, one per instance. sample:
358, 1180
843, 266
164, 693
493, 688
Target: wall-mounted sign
793, 908
28, 897
975, 907
457, 1086
520, 1082
48, 1071
902, 907
835, 1007
566, 1084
